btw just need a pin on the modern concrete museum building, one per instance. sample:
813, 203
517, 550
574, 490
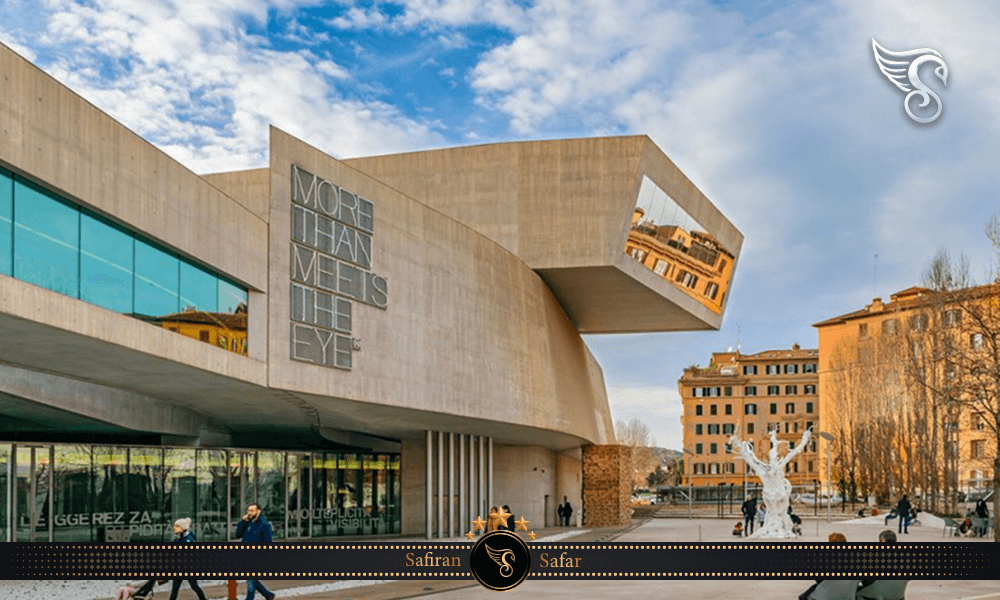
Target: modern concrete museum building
383, 345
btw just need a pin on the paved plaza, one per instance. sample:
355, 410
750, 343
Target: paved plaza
650, 531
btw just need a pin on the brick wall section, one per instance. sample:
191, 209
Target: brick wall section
607, 485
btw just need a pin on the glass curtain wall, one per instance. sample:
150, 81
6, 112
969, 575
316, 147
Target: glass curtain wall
145, 496
53, 243
73, 493
84, 493
211, 525
241, 486
179, 486
271, 490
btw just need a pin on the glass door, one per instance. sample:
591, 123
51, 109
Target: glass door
32, 502
241, 487
298, 487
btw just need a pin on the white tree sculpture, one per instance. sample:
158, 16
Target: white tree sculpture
777, 490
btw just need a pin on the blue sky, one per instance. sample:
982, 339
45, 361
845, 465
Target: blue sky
774, 109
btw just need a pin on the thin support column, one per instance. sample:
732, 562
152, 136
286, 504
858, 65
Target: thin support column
489, 472
483, 507
473, 486
440, 490
462, 483
429, 495
451, 485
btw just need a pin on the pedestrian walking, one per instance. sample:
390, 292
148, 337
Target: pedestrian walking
983, 512
749, 510
567, 512
254, 528
183, 535
561, 511
902, 512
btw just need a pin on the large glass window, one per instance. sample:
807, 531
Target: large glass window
6, 224
350, 495
271, 490
73, 494
46, 239
146, 521
324, 496
210, 524
199, 289
179, 487
53, 243
107, 256
241, 486
156, 281
110, 493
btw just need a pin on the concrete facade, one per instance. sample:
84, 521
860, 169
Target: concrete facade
479, 338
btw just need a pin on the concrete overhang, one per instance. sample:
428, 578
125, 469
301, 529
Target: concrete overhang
88, 385
567, 208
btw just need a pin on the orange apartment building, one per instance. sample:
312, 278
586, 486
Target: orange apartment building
694, 261
750, 394
898, 335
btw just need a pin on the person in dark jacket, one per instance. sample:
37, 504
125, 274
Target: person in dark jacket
254, 528
510, 526
567, 512
182, 535
749, 510
561, 511
903, 511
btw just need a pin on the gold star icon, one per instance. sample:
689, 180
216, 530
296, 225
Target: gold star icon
470, 535
479, 523
501, 516
522, 524
531, 535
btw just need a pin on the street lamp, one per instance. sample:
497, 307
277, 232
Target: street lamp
690, 472
829, 440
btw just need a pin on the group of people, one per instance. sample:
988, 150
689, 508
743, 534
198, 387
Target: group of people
253, 528
495, 523
865, 589
755, 512
905, 512
967, 526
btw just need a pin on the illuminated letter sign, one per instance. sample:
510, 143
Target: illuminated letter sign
332, 231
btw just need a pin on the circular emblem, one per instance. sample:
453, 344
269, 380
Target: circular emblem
500, 561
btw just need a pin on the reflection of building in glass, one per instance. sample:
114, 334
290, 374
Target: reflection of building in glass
225, 330
693, 261
61, 246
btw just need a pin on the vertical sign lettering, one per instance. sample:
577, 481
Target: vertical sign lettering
332, 230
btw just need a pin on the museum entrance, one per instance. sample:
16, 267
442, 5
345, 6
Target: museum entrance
100, 493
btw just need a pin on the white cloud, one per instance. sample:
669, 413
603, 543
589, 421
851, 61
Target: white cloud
433, 15
188, 77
